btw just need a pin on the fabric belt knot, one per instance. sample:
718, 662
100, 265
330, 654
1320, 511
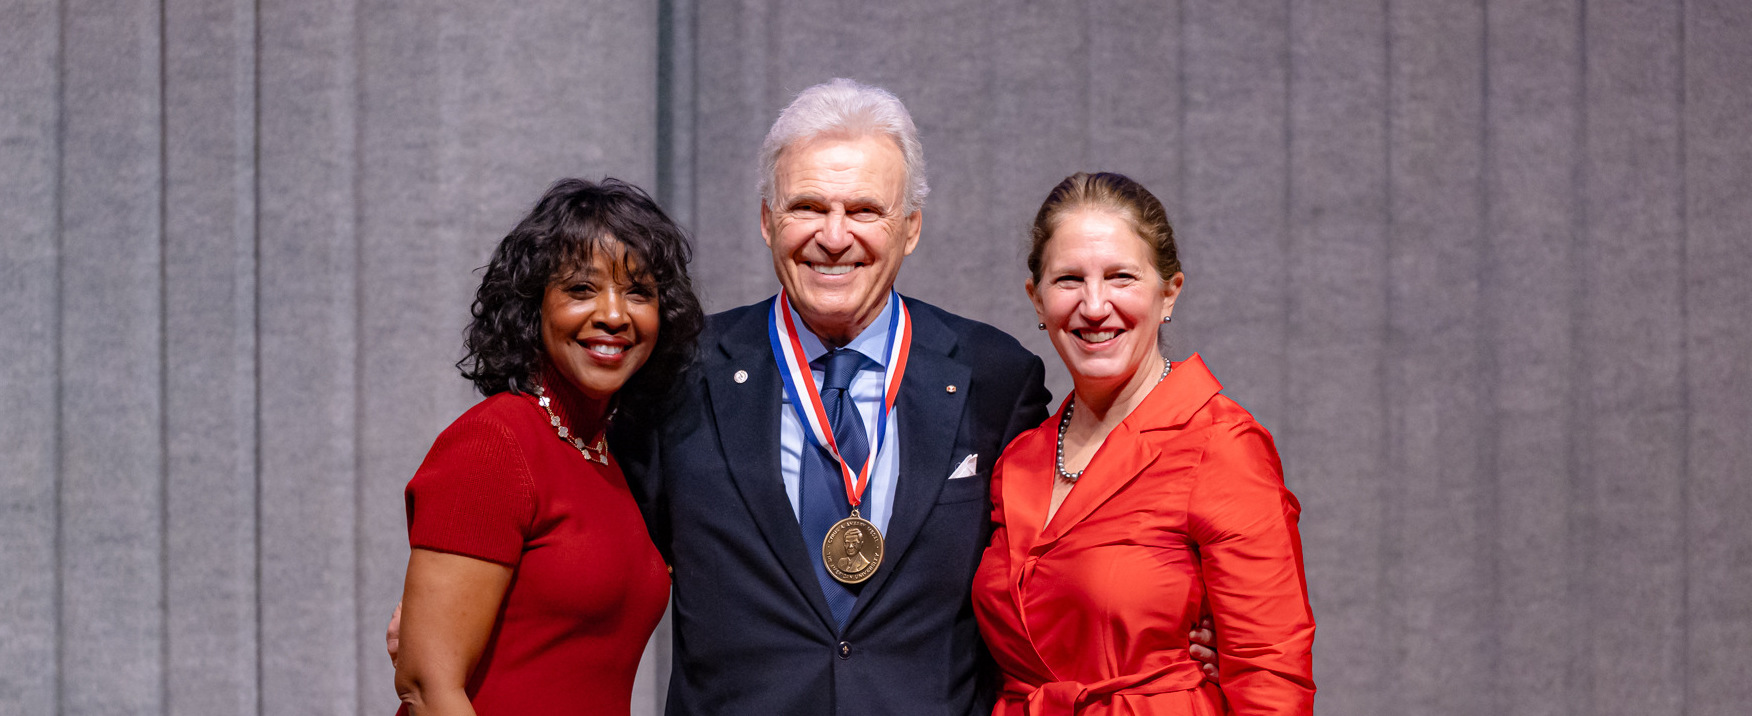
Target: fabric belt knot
821, 487
1064, 698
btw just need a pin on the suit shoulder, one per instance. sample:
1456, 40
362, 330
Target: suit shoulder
682, 398
718, 323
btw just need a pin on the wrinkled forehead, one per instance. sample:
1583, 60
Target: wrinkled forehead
871, 158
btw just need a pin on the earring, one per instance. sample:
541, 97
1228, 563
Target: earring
1042, 326
1166, 319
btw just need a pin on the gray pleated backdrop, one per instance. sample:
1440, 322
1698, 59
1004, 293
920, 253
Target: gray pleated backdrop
1482, 267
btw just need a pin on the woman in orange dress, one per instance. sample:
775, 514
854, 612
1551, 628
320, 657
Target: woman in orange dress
1149, 500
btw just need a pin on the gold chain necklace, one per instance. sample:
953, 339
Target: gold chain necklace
600, 449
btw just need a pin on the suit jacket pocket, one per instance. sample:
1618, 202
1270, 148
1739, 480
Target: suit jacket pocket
963, 489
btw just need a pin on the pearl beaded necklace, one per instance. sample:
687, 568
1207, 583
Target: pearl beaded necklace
1065, 422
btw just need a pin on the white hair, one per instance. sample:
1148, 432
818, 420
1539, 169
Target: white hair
843, 107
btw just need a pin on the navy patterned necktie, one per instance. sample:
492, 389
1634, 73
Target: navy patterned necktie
821, 487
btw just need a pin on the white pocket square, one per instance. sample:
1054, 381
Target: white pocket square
966, 468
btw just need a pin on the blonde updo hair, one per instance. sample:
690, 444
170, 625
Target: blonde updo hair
1113, 193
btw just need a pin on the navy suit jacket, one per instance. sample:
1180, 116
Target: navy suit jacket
753, 634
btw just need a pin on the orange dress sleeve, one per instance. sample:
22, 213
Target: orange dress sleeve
1244, 521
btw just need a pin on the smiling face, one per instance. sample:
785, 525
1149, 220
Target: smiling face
1101, 298
837, 231
599, 321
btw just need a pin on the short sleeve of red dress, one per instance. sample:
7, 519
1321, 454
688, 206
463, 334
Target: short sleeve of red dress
473, 495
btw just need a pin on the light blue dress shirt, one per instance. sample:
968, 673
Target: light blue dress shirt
866, 392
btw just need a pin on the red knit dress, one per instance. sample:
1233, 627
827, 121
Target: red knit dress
500, 485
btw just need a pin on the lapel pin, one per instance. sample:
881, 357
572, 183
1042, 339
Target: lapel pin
742, 377
949, 389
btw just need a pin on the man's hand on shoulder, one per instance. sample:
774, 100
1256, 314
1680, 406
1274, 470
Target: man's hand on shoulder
392, 636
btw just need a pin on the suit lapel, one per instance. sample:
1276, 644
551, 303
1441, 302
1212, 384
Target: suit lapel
747, 418
929, 419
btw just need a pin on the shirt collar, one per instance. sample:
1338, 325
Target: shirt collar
872, 342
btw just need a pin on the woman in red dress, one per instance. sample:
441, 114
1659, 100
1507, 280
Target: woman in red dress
533, 585
1149, 500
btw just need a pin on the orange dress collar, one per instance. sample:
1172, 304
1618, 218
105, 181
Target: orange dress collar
1121, 457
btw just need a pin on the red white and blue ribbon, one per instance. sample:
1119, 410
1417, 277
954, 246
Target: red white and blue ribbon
806, 397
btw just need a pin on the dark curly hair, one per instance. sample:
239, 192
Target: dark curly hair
570, 223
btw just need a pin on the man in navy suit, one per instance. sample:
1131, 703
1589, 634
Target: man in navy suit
734, 479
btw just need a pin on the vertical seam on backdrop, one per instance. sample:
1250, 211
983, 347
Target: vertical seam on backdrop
675, 178
358, 388
256, 344
769, 75
1384, 370
665, 646
693, 116
57, 461
1685, 414
1573, 523
164, 652
246, 8
1286, 364
664, 148
1490, 449
1083, 87
1180, 108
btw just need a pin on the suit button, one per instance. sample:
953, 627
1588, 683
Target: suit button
845, 650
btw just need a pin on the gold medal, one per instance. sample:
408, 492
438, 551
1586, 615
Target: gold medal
852, 549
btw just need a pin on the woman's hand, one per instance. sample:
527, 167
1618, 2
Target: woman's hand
449, 603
